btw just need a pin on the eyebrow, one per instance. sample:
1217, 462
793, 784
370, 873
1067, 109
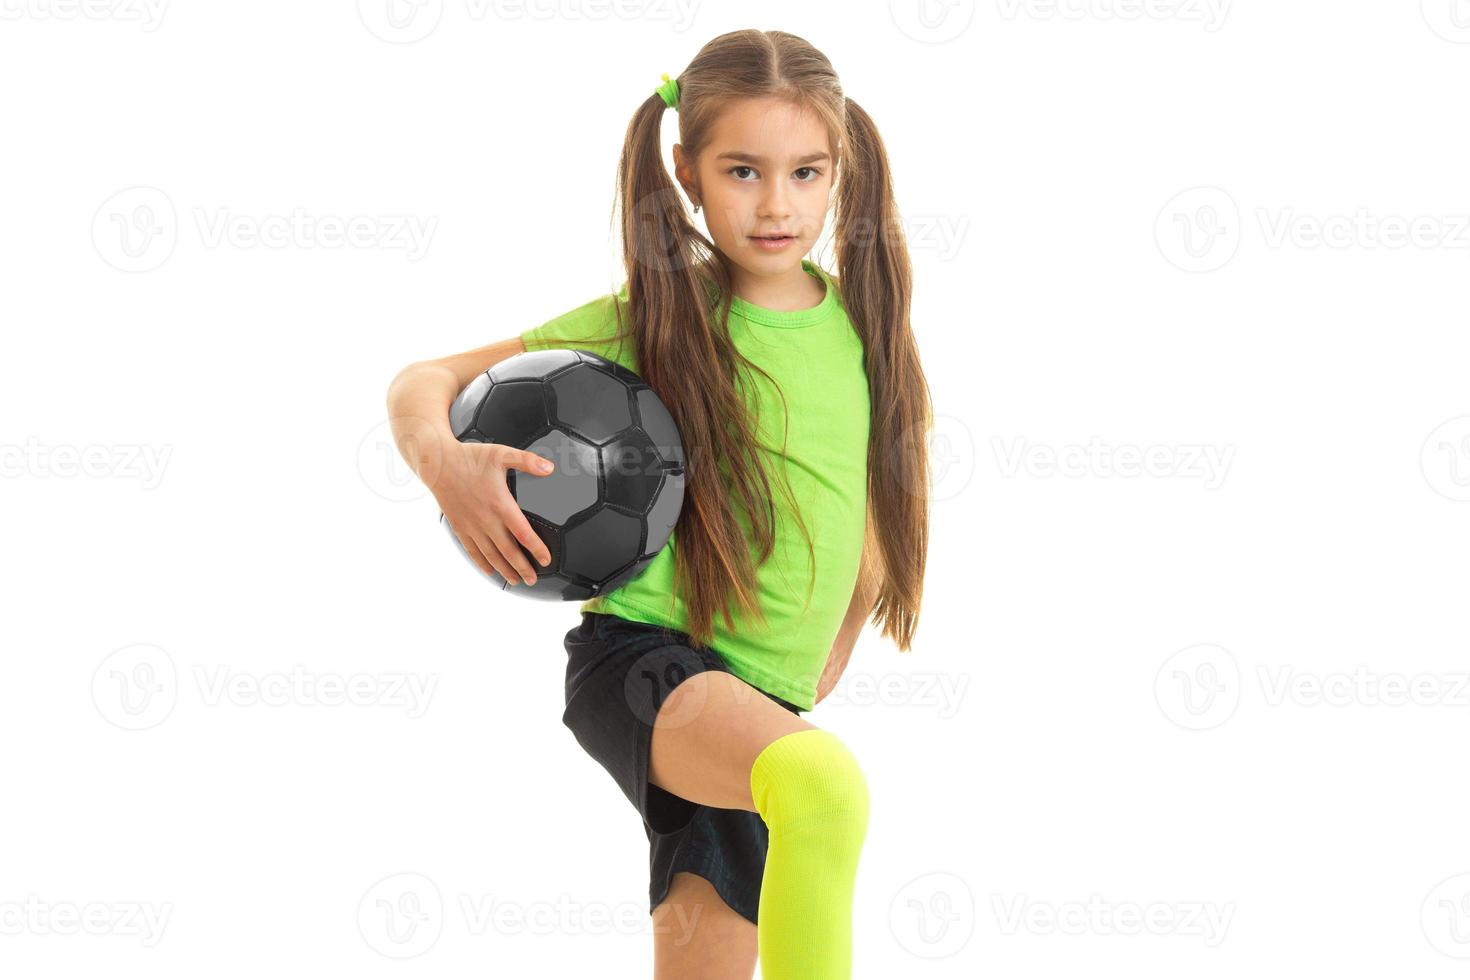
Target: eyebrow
752, 158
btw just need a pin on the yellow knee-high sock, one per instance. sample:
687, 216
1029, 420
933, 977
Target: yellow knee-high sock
809, 790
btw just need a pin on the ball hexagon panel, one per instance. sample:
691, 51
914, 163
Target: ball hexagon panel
655, 420
601, 544
567, 490
590, 402
513, 410
633, 470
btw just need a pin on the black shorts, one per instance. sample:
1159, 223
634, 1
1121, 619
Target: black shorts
618, 675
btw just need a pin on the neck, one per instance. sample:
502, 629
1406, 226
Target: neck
790, 290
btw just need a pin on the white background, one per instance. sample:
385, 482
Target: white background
1163, 229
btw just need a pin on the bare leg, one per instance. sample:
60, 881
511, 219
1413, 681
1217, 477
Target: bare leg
696, 936
706, 738
707, 735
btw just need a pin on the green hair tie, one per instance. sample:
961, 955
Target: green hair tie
670, 91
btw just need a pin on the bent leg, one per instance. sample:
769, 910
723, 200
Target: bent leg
813, 796
720, 742
707, 734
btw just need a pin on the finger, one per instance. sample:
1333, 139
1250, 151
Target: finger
516, 523
489, 560
471, 549
527, 461
512, 553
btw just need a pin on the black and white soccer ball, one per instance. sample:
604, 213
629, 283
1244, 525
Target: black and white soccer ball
609, 506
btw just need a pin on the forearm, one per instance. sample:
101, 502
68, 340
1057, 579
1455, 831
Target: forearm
418, 414
858, 611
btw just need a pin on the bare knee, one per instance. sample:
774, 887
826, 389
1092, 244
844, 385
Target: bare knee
708, 733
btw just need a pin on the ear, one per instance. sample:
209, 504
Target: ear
684, 173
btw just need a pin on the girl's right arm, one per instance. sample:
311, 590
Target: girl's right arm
467, 479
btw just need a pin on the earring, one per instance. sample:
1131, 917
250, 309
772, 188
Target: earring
696, 209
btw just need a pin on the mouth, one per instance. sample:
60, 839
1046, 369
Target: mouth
772, 243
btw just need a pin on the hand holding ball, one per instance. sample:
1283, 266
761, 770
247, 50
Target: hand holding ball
611, 502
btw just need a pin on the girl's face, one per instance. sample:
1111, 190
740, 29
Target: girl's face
767, 170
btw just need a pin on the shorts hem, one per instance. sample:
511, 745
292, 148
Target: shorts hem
699, 863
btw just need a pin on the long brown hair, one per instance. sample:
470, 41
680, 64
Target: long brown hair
679, 290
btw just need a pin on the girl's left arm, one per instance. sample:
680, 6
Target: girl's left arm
864, 597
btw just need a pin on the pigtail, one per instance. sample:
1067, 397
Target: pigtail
678, 296
877, 287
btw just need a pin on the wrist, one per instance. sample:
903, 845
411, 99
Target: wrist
426, 446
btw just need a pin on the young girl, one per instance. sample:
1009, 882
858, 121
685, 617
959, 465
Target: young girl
771, 367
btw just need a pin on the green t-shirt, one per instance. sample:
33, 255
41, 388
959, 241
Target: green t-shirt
816, 357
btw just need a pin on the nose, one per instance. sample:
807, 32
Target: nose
775, 203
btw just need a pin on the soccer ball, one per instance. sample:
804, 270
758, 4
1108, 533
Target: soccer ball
609, 506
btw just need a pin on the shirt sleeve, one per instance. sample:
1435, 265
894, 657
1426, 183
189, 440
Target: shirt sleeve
594, 326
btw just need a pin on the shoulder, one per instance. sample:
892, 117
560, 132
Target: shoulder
599, 308
600, 325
